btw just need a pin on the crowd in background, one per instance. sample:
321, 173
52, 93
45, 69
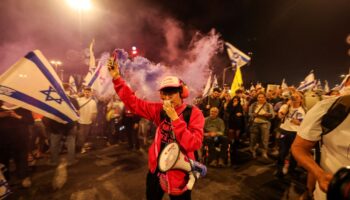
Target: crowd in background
265, 122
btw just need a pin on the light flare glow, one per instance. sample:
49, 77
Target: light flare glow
80, 4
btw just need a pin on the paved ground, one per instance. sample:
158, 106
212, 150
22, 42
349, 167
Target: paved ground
116, 173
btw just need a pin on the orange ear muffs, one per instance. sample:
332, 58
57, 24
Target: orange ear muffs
185, 91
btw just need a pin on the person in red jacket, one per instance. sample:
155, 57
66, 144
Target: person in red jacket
171, 128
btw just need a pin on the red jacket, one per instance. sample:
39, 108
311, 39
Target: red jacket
189, 138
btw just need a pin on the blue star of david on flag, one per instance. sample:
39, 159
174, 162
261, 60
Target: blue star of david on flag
49, 97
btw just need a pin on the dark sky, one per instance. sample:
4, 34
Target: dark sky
288, 38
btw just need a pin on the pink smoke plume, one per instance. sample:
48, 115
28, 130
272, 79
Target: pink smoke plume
144, 75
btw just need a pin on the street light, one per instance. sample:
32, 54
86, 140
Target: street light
56, 64
80, 4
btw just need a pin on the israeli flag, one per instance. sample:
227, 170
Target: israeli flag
326, 86
72, 84
237, 57
308, 83
101, 81
32, 83
208, 85
284, 84
346, 78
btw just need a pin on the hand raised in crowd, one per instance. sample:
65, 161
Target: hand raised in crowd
113, 68
170, 110
281, 114
15, 115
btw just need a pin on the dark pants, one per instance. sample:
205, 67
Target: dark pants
14, 144
213, 143
133, 138
286, 140
155, 192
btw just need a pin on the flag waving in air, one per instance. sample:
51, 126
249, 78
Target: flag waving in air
284, 84
72, 84
308, 83
206, 90
237, 82
326, 86
33, 84
101, 80
237, 57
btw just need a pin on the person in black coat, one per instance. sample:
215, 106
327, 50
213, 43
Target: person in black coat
236, 125
14, 139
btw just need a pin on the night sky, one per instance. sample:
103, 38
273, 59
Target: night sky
287, 38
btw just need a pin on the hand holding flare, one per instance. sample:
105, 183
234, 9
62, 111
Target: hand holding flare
113, 67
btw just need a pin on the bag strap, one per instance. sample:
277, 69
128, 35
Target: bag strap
258, 110
336, 114
86, 103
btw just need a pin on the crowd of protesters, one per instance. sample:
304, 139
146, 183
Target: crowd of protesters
265, 121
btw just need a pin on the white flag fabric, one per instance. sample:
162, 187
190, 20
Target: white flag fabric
101, 81
215, 84
237, 57
207, 86
326, 86
72, 84
252, 87
344, 81
308, 83
33, 84
284, 84
92, 61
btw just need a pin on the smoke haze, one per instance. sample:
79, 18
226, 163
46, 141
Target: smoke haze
62, 33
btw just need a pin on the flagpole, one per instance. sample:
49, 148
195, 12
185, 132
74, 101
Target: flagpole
224, 75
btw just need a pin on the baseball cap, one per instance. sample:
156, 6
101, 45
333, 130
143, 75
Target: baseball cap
170, 81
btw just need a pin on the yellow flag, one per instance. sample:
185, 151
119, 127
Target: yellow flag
237, 82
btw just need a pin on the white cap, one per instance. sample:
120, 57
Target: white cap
170, 81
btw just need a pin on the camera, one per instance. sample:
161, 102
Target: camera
338, 188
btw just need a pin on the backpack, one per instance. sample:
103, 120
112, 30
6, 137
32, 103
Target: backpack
186, 114
336, 114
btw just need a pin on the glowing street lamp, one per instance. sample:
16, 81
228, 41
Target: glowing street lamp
80, 4
56, 64
134, 51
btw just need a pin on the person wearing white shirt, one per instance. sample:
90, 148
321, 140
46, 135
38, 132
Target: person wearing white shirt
87, 113
334, 149
291, 114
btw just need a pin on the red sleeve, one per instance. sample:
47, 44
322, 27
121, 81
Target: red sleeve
140, 107
190, 138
